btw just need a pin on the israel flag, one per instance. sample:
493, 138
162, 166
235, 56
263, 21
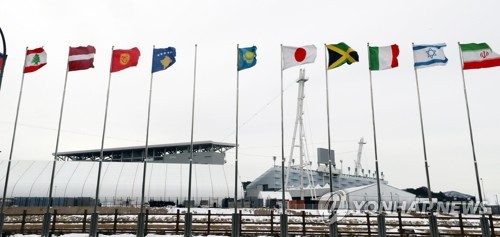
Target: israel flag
429, 55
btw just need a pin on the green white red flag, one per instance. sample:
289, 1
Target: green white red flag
35, 59
477, 56
382, 58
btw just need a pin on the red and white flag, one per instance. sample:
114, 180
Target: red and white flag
81, 58
294, 56
35, 59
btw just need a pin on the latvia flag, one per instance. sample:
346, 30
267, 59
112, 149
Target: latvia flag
293, 56
81, 58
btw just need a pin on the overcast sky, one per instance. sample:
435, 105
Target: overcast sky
217, 26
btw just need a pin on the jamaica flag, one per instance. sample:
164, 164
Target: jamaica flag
339, 54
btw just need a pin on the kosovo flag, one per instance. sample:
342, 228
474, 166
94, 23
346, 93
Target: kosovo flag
247, 57
341, 53
163, 58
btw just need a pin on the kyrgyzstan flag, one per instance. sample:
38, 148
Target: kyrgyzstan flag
81, 58
294, 56
124, 58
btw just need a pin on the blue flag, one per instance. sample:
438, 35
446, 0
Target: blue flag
247, 57
163, 59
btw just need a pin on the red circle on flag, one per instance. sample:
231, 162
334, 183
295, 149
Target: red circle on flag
300, 54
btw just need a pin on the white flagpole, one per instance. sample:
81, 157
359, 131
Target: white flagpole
95, 216
47, 215
140, 219
328, 121
2, 215
188, 230
237, 145
375, 137
429, 195
470, 129
284, 217
236, 224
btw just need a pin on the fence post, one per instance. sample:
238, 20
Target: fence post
115, 221
23, 222
303, 222
368, 224
400, 222
381, 225
492, 226
54, 219
208, 224
146, 222
433, 225
177, 222
485, 229
84, 221
272, 222
461, 222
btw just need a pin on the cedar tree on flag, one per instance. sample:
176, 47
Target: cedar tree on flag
382, 58
341, 53
81, 58
124, 58
294, 56
35, 59
477, 56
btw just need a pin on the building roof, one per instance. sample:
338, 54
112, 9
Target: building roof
153, 150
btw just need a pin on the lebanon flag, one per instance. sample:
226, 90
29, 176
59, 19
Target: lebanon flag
35, 59
293, 56
124, 58
81, 58
382, 58
479, 56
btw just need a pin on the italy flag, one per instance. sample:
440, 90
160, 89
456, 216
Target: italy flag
382, 58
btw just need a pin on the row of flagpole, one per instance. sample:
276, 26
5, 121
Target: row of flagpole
251, 62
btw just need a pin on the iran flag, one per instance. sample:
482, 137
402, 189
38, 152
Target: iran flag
35, 59
382, 58
294, 56
477, 56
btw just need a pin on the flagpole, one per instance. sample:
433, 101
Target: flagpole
4, 57
2, 217
429, 194
46, 217
328, 121
95, 215
375, 138
284, 218
188, 218
470, 130
236, 224
140, 219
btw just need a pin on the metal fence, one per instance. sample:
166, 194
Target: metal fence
263, 221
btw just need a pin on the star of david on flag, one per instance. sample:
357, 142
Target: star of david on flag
163, 59
429, 55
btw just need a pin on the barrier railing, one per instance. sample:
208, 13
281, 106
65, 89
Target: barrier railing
264, 222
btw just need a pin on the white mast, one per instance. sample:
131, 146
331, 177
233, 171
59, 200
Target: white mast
302, 138
358, 168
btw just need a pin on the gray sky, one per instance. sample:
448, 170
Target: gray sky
217, 26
